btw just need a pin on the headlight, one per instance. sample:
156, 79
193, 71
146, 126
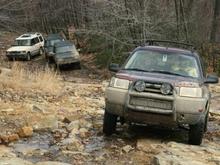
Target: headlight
166, 89
190, 92
140, 86
119, 83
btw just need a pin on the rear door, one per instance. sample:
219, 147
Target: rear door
37, 45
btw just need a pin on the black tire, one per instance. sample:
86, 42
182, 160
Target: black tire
78, 65
206, 122
196, 133
28, 58
109, 123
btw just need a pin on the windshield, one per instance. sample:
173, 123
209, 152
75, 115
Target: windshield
22, 43
164, 62
64, 49
52, 42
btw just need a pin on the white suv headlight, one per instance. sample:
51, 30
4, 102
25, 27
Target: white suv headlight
190, 92
119, 83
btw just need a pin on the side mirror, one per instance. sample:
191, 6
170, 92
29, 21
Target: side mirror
211, 79
114, 67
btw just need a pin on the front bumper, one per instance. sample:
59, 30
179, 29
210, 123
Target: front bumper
66, 61
180, 110
17, 56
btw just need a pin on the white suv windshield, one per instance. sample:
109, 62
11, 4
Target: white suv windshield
22, 43
164, 62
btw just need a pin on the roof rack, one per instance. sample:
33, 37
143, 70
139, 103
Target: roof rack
152, 42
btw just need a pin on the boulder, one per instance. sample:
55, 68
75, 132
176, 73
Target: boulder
25, 132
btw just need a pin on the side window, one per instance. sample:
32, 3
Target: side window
36, 40
33, 42
41, 39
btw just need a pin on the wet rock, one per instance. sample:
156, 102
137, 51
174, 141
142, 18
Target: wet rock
72, 143
25, 132
127, 148
51, 163
28, 150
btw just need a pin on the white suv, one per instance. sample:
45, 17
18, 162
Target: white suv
26, 46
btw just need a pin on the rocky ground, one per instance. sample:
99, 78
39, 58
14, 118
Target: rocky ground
64, 126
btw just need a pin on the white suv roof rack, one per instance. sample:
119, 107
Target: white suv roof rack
29, 36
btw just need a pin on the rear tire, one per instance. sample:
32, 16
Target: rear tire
109, 123
196, 133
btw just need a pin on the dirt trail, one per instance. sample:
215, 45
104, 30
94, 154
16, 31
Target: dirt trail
66, 127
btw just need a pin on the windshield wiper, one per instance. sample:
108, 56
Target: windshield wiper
136, 69
167, 72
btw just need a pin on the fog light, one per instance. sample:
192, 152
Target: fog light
166, 89
140, 86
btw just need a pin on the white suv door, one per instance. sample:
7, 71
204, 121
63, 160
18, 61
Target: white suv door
35, 46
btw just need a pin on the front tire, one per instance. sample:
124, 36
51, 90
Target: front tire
109, 123
196, 133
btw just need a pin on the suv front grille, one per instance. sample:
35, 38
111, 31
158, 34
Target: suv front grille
15, 52
154, 87
151, 103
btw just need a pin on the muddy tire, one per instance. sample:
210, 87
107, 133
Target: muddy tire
196, 133
28, 58
109, 123
78, 65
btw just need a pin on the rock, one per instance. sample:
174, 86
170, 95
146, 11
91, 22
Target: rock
148, 145
51, 163
13, 137
73, 125
127, 148
72, 143
184, 154
6, 152
46, 122
83, 132
9, 138
85, 124
25, 132
14, 161
7, 110
29, 150
70, 118
37, 108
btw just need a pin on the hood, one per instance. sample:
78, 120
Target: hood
18, 48
154, 77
